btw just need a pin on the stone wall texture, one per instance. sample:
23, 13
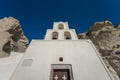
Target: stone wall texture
11, 37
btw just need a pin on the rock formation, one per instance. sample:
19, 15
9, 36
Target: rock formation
106, 38
11, 37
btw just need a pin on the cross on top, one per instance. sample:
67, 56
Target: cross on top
64, 77
56, 77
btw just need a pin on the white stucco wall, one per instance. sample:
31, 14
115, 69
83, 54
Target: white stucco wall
81, 54
9, 64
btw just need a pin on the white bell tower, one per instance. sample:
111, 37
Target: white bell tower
61, 31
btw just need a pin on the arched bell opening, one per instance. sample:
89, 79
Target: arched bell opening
60, 26
67, 35
55, 35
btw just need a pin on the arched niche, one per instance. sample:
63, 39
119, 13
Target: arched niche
60, 26
67, 35
55, 35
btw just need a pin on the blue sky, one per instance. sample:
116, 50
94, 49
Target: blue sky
36, 16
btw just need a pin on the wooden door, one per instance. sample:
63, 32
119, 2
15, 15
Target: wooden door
61, 74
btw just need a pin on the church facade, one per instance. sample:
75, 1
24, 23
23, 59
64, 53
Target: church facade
61, 56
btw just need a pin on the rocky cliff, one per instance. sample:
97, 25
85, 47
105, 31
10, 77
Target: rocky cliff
106, 38
11, 37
